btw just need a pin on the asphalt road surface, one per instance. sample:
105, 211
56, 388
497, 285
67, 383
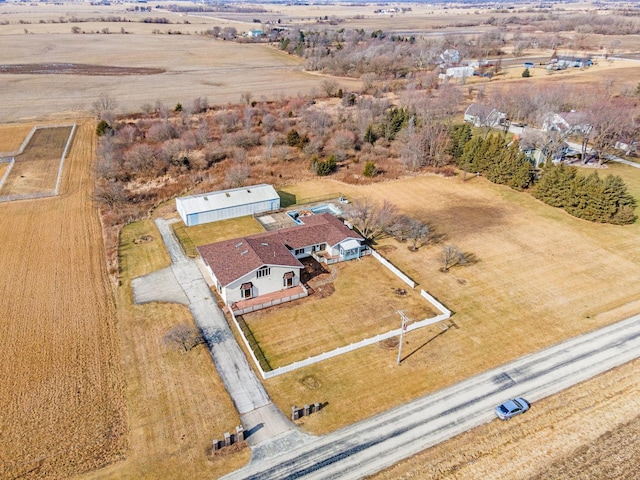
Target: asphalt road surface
381, 441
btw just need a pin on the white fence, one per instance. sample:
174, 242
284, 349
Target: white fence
24, 144
444, 315
64, 155
51, 193
393, 268
6, 173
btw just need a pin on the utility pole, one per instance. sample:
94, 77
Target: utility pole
405, 322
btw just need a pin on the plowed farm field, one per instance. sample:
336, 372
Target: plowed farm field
61, 389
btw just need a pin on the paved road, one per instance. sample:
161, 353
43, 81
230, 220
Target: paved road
381, 441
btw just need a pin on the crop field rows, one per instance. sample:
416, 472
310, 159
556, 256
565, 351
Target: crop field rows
60, 377
75, 357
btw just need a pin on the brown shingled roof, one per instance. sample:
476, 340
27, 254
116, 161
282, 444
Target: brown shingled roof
232, 259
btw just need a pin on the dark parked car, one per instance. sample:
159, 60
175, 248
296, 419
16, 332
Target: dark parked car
511, 408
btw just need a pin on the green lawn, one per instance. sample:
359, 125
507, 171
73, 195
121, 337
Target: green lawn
192, 237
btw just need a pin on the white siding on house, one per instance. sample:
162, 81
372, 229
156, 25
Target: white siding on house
273, 282
224, 204
460, 72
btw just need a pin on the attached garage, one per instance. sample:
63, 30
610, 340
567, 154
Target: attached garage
223, 204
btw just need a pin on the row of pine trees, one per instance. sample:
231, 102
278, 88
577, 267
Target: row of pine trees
587, 197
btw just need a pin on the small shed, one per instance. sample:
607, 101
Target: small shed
224, 204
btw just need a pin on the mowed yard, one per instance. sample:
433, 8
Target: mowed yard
362, 302
541, 276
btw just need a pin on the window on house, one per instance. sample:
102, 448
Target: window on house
263, 272
299, 251
288, 279
246, 290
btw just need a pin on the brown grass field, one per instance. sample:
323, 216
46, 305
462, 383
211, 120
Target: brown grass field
86, 378
194, 65
176, 402
353, 311
36, 169
61, 383
12, 136
198, 235
531, 289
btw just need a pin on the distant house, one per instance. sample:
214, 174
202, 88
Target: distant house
459, 72
628, 146
484, 116
449, 57
264, 263
567, 123
563, 62
224, 204
255, 33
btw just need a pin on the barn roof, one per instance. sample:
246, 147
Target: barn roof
232, 259
227, 198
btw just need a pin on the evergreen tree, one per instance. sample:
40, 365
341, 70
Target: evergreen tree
491, 152
394, 121
460, 135
621, 203
520, 167
554, 186
371, 135
471, 152
369, 169
586, 199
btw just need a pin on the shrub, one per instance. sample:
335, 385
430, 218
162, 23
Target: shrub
369, 169
326, 167
103, 128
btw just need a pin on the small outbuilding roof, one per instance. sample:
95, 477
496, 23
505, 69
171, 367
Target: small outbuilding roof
227, 198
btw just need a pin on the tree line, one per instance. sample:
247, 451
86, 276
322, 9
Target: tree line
588, 197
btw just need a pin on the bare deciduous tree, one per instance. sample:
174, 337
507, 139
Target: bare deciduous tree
104, 107
417, 233
450, 256
184, 336
372, 219
248, 117
110, 193
330, 87
237, 174
140, 158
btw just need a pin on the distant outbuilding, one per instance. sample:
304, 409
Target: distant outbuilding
224, 204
